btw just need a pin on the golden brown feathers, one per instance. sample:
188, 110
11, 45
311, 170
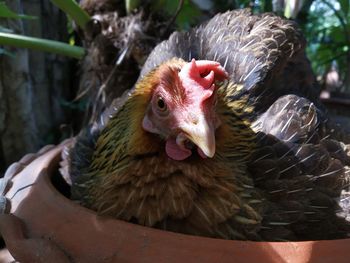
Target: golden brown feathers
279, 172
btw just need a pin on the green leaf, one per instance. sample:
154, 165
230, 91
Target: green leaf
266, 5
72, 9
5, 30
188, 16
344, 6
6, 12
40, 44
337, 34
169, 6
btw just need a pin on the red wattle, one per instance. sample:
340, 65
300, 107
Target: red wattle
175, 152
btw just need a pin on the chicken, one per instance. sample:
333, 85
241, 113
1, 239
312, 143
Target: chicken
222, 136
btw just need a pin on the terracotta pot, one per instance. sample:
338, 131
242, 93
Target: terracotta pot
44, 226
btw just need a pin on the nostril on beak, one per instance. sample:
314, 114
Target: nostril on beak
193, 118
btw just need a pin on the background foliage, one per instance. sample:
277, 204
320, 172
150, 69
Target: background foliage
325, 24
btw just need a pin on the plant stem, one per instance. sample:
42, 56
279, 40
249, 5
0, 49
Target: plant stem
71, 8
130, 5
41, 45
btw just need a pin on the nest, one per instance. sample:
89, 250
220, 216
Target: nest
117, 47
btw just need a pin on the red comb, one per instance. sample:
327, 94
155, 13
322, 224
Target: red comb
199, 76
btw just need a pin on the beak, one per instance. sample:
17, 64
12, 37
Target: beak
201, 133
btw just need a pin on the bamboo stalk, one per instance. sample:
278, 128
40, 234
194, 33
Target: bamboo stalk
71, 8
41, 45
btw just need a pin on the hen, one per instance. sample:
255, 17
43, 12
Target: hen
222, 136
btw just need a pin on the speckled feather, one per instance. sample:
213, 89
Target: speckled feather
279, 172
258, 51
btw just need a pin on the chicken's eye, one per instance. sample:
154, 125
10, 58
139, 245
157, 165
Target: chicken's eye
161, 104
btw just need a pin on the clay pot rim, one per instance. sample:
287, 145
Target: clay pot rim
151, 242
49, 173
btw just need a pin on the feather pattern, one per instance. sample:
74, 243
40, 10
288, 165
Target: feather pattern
281, 169
257, 51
